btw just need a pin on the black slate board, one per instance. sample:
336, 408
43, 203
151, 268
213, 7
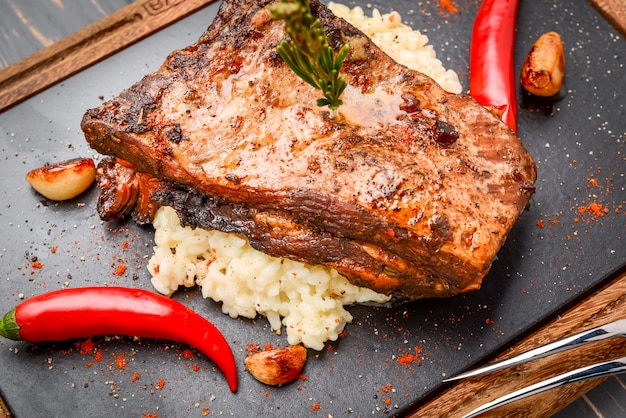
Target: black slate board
539, 271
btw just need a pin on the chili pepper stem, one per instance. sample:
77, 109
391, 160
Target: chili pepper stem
8, 326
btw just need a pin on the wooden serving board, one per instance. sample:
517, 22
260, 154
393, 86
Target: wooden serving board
596, 305
614, 11
89, 46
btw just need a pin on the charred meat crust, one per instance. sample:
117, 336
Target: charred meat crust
412, 191
363, 263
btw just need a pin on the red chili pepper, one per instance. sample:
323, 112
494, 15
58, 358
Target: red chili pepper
85, 312
492, 76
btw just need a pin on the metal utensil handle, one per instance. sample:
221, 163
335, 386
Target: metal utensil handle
610, 330
607, 368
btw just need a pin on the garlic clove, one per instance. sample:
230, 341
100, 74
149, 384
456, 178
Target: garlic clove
278, 366
543, 71
64, 180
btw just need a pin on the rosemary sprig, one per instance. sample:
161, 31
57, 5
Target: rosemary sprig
307, 51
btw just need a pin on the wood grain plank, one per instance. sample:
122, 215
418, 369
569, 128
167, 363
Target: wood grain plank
90, 45
614, 11
26, 26
4, 410
606, 305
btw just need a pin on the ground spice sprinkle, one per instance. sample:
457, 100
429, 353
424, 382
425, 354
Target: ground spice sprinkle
408, 358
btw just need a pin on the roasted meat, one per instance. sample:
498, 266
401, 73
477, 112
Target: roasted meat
125, 191
410, 191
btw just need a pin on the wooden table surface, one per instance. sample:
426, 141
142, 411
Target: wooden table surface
32, 29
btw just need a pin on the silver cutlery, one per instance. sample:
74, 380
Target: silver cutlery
607, 368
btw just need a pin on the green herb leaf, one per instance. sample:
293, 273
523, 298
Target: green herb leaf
307, 51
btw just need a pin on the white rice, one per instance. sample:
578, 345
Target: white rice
308, 301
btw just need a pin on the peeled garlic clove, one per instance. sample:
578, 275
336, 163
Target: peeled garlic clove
543, 70
278, 366
64, 180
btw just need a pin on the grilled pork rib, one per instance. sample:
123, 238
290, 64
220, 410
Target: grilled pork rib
410, 191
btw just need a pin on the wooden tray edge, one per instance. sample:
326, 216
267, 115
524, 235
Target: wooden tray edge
89, 45
602, 306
